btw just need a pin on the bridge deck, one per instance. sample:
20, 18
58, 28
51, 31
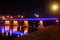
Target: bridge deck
32, 19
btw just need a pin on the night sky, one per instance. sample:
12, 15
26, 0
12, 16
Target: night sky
25, 7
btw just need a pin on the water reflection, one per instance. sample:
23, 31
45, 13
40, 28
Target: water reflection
10, 32
7, 27
15, 28
20, 28
2, 31
7, 30
6, 33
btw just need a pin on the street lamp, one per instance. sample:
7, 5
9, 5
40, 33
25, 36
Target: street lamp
55, 7
22, 16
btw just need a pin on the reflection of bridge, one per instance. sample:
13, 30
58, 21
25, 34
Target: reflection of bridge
15, 23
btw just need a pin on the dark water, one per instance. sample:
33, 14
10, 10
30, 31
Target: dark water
32, 28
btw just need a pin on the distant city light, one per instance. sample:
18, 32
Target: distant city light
22, 16
18, 15
7, 16
3, 17
36, 15
11, 16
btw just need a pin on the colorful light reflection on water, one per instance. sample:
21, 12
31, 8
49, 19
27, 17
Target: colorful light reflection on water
2, 29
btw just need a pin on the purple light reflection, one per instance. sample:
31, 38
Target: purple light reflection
14, 33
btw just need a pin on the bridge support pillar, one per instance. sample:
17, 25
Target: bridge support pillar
26, 26
40, 24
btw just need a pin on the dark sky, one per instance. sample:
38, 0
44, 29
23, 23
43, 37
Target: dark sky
25, 7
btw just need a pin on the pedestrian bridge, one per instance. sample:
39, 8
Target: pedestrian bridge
15, 22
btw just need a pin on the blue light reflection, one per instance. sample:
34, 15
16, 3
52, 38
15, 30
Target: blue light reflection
14, 33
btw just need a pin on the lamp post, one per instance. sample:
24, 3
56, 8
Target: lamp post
55, 7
